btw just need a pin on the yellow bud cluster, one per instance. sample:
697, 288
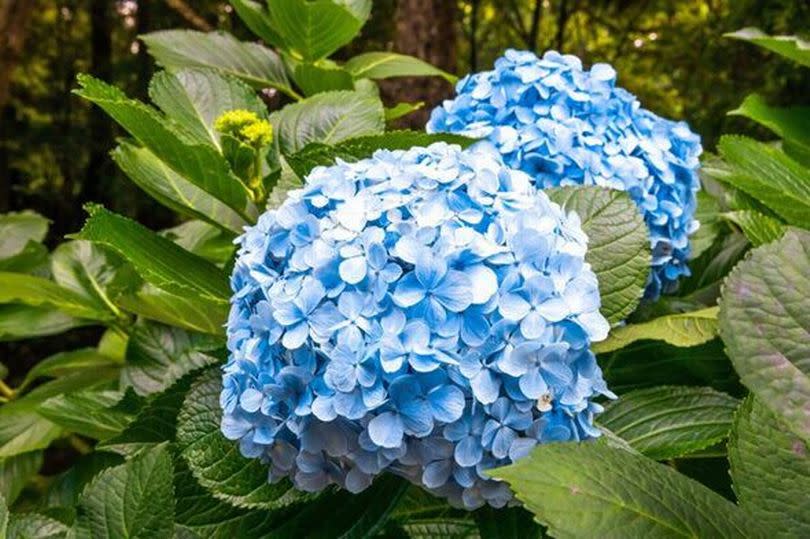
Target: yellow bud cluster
245, 126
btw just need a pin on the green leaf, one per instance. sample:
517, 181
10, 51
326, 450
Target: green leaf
770, 176
158, 260
254, 64
91, 272
195, 98
321, 77
181, 310
402, 109
257, 19
316, 28
17, 229
155, 423
135, 499
384, 65
618, 244
158, 356
39, 292
16, 471
792, 47
353, 149
216, 461
23, 431
757, 227
790, 124
286, 181
3, 517
64, 363
710, 225
89, 413
683, 329
592, 490
23, 321
197, 163
66, 488
771, 471
203, 239
507, 523
32, 259
764, 320
670, 421
35, 526
329, 118
171, 189
438, 528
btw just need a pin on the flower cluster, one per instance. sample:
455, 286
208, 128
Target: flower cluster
564, 126
425, 312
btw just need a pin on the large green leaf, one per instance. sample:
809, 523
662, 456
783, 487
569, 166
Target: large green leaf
618, 244
329, 118
17, 229
793, 47
683, 329
256, 17
771, 471
182, 310
593, 490
39, 292
135, 499
65, 489
158, 356
770, 176
216, 461
383, 65
316, 28
89, 413
203, 239
16, 472
22, 321
353, 149
764, 321
255, 64
757, 227
158, 260
710, 225
195, 98
197, 162
789, 123
321, 76
24, 431
35, 526
63, 363
670, 421
91, 272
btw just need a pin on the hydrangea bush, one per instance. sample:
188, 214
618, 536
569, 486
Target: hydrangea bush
564, 125
426, 312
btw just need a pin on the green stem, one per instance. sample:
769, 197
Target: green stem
6, 391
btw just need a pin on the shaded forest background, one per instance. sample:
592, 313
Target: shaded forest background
671, 53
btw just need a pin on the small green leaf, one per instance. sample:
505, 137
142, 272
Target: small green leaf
195, 98
618, 244
35, 526
16, 472
321, 77
790, 124
24, 321
593, 490
216, 461
707, 214
257, 19
23, 431
135, 499
158, 356
17, 229
757, 227
683, 329
771, 471
670, 421
198, 163
158, 260
182, 310
764, 316
384, 65
89, 413
38, 292
3, 517
402, 109
792, 47
770, 176
64, 363
316, 28
32, 259
254, 64
329, 118
203, 239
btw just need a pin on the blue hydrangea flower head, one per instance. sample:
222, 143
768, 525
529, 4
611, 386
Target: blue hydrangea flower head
563, 125
424, 312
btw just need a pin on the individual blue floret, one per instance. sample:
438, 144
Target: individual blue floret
424, 312
563, 125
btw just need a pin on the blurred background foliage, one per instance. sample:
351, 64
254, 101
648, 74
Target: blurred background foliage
671, 53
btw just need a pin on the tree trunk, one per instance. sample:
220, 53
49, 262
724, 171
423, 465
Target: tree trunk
425, 29
14, 17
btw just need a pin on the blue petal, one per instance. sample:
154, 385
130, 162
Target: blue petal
409, 291
353, 270
468, 451
386, 430
447, 403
